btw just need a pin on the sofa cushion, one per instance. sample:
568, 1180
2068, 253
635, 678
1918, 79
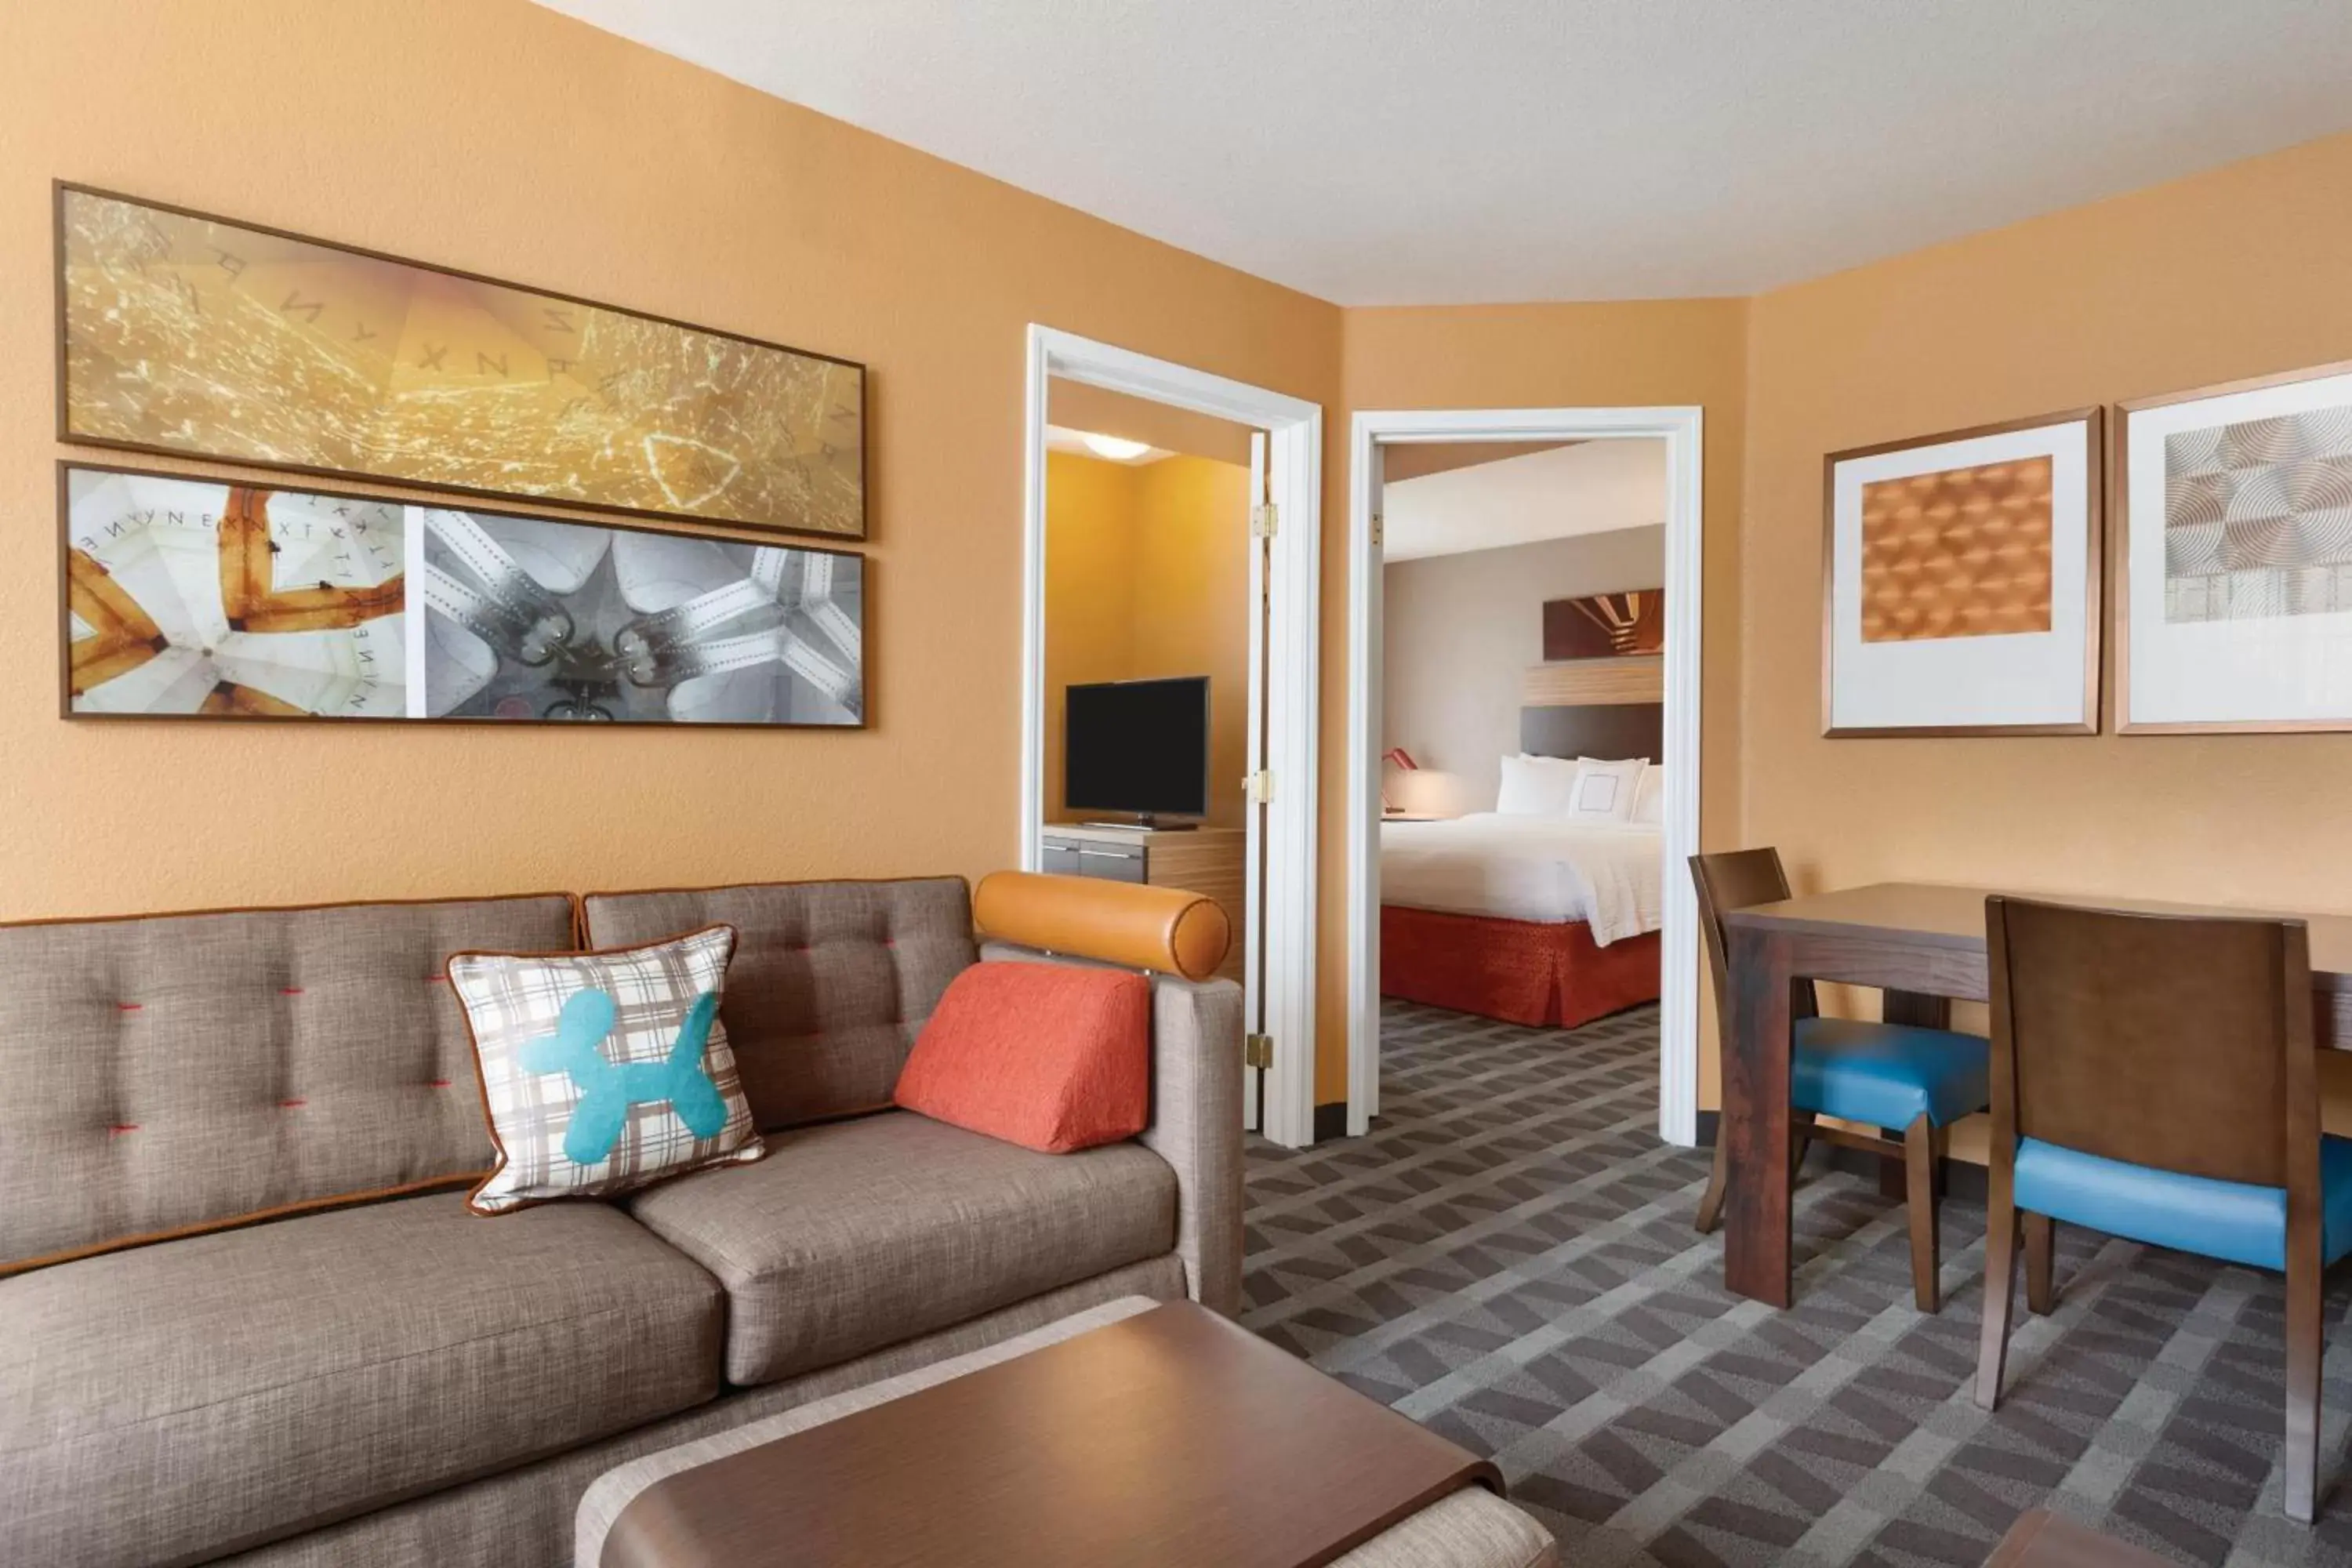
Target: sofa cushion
831, 980
180, 1071
603, 1072
856, 1235
1048, 1056
178, 1400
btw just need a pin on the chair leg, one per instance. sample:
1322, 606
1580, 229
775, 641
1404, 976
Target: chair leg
1800, 1140
1920, 1196
2000, 1282
1710, 1203
2041, 1258
2305, 1342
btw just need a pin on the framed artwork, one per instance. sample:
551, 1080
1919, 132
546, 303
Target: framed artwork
2237, 556
191, 335
1961, 583
1605, 626
200, 598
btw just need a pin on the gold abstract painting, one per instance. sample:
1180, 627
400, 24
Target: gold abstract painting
1957, 553
193, 334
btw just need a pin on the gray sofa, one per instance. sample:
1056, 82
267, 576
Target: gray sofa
399, 1381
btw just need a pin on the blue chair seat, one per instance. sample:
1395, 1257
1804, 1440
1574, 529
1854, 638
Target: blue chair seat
2234, 1221
1886, 1074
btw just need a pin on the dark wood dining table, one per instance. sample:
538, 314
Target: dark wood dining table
1923, 945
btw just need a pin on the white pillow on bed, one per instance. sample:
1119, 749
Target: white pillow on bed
1605, 790
1650, 796
1535, 786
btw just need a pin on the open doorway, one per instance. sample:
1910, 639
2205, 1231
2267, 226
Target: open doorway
1169, 704
1523, 727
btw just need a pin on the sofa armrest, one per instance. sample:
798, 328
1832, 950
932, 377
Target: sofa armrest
1196, 1118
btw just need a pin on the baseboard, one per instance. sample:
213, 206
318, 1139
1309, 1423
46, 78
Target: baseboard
1330, 1121
1963, 1179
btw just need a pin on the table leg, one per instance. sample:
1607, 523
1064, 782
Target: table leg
1756, 1118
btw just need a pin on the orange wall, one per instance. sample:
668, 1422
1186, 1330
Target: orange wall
1192, 602
611, 170
495, 136
2243, 271
1146, 575
1089, 590
1648, 351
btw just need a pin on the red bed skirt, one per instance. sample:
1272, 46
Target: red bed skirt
1545, 975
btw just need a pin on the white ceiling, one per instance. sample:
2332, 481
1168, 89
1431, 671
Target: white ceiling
1437, 152
1592, 487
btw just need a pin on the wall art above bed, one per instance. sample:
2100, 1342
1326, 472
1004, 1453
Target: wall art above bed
1962, 592
198, 598
183, 333
1605, 626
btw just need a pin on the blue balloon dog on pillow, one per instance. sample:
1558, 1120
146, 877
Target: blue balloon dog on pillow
609, 1089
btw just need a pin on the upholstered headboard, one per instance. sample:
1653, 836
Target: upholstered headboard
1610, 730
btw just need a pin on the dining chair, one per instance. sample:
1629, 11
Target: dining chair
2153, 1078
1880, 1075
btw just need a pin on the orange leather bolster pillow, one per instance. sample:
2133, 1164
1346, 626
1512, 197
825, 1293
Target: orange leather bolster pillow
1164, 928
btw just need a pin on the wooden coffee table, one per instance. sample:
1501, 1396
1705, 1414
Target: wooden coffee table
1151, 1433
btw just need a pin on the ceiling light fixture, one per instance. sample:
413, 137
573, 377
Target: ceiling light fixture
1118, 449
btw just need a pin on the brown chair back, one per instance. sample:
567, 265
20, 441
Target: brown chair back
2181, 1042
1738, 879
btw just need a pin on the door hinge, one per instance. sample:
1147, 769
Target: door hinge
1379, 530
1264, 520
1258, 787
1257, 1051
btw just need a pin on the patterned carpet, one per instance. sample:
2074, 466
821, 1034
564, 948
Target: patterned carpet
1509, 1259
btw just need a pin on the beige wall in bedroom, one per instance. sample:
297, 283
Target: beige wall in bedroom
1458, 633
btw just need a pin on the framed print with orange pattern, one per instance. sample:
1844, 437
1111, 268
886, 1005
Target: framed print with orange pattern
191, 335
1961, 583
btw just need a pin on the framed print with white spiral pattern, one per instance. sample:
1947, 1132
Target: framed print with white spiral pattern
200, 598
2237, 556
1963, 583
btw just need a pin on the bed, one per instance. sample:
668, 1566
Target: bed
1530, 920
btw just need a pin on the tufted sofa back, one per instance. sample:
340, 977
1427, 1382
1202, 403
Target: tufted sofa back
830, 984
171, 1073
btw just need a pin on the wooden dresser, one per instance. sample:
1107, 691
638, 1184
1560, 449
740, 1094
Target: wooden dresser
1205, 860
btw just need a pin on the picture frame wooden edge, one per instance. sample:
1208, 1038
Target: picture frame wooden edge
2119, 464
67, 466
2093, 418
67, 435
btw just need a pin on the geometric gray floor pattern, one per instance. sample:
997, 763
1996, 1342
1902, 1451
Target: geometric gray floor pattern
1508, 1258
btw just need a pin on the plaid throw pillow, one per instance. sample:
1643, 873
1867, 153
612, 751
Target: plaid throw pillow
604, 1071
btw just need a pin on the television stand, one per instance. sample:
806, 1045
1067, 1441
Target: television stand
1210, 861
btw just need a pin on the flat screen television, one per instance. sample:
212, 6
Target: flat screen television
1139, 748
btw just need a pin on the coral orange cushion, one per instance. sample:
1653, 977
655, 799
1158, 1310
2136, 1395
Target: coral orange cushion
1043, 1055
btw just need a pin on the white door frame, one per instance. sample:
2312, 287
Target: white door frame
1680, 428
1294, 443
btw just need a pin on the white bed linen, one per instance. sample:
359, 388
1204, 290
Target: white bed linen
1527, 869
